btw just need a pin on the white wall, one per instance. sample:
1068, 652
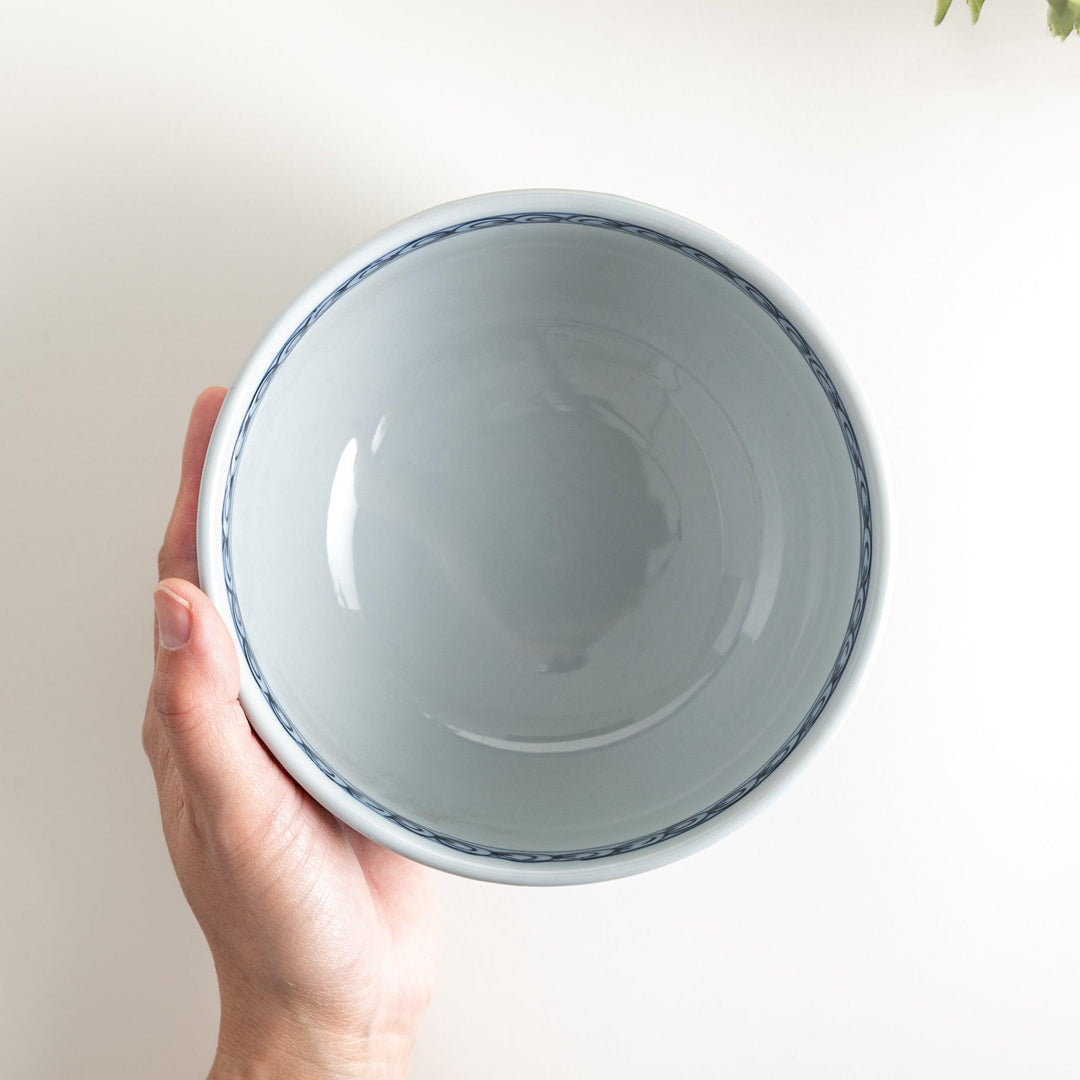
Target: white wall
174, 173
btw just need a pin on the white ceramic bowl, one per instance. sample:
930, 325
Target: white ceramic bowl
551, 533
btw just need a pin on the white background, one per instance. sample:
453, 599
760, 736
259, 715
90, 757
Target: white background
173, 174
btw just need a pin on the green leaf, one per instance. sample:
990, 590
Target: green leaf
944, 5
1063, 17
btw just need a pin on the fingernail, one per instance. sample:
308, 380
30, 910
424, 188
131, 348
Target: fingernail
174, 618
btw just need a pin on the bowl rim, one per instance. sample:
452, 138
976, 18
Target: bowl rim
211, 563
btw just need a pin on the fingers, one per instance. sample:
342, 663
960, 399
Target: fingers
177, 558
202, 730
205, 757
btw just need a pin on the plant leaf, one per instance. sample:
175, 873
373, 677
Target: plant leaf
1063, 17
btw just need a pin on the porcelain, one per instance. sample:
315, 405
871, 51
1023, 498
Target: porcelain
552, 535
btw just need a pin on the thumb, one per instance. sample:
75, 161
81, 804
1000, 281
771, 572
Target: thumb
194, 698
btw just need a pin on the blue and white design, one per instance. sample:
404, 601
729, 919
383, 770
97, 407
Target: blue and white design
865, 523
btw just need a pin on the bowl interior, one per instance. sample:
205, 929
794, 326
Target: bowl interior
544, 535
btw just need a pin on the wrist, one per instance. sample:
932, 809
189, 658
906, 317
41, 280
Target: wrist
262, 1040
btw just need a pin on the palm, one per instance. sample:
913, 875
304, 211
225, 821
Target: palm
344, 913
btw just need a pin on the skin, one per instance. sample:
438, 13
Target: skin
323, 941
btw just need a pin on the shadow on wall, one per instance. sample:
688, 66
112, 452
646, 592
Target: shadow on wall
150, 255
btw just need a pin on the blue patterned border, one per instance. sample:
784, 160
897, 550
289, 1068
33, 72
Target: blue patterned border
865, 523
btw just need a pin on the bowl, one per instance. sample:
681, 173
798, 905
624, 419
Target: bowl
551, 534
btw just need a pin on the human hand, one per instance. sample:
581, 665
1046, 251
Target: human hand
322, 940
